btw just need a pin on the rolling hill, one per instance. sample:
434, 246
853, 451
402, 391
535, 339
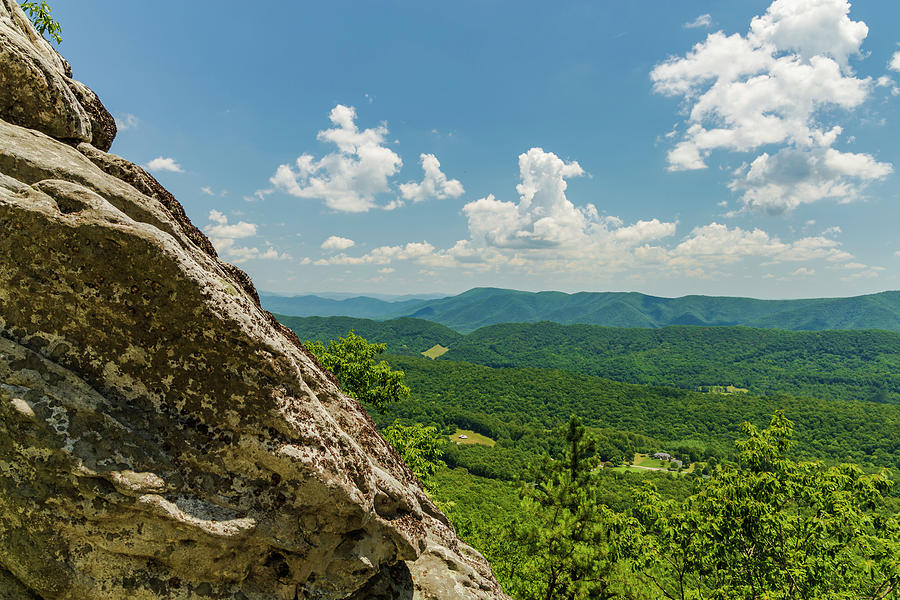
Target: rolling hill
847, 365
480, 307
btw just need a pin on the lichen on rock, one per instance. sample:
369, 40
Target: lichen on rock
161, 435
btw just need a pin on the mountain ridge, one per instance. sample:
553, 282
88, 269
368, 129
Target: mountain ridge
480, 307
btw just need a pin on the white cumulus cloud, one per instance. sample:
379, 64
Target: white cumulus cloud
335, 242
543, 217
894, 65
434, 185
792, 177
161, 163
382, 255
224, 235
545, 232
219, 227
350, 178
776, 86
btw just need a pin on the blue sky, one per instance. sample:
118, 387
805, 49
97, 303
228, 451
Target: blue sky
669, 147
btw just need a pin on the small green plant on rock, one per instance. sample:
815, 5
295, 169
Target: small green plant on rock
39, 13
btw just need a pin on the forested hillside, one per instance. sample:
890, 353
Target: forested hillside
848, 365
480, 307
402, 336
489, 431
510, 403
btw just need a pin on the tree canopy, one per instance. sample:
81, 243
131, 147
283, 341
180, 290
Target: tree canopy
352, 360
768, 527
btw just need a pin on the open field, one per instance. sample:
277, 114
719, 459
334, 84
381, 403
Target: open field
471, 438
436, 351
723, 389
643, 460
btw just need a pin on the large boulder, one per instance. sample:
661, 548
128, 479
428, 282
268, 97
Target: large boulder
37, 89
162, 436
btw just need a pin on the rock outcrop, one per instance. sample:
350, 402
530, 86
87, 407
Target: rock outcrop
162, 436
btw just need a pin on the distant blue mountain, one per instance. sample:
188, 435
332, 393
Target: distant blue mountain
316, 306
480, 307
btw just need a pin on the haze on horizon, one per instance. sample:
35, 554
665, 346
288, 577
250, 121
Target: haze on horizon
736, 149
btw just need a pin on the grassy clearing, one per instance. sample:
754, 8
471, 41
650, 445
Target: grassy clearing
643, 460
624, 469
722, 389
471, 438
435, 351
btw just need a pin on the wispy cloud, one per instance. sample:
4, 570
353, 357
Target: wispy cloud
704, 21
126, 121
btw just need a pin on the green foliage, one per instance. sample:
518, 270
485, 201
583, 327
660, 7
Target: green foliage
420, 447
520, 404
764, 527
39, 13
562, 528
840, 365
768, 527
352, 360
755, 523
848, 365
481, 510
484, 511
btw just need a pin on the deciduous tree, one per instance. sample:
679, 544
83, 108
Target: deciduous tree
352, 360
768, 528
420, 447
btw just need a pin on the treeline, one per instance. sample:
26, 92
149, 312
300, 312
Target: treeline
402, 336
841, 365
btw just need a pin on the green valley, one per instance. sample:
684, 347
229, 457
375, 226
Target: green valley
494, 405
846, 365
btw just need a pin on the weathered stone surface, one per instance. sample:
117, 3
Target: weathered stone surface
162, 436
12, 589
103, 125
146, 184
36, 89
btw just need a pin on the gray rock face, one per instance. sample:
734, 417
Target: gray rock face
162, 436
37, 89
